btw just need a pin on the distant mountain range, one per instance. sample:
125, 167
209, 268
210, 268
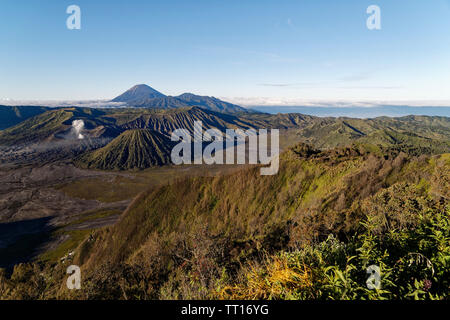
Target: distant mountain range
358, 112
138, 136
144, 96
130, 145
139, 96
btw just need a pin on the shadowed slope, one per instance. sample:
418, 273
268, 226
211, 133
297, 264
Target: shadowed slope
12, 115
133, 149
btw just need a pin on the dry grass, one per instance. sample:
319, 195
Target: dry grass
275, 279
123, 186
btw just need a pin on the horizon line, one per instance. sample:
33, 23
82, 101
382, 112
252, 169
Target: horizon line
244, 102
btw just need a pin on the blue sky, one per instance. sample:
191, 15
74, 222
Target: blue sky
245, 51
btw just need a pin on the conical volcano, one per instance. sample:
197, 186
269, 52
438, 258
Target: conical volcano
133, 149
138, 92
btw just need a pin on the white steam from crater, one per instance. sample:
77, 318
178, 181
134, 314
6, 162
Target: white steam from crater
78, 127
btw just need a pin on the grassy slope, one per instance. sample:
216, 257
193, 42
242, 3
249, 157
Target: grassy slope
112, 122
322, 132
417, 134
37, 128
320, 194
127, 185
133, 149
414, 135
12, 115
184, 239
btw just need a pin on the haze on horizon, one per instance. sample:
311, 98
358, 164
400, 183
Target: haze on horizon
281, 51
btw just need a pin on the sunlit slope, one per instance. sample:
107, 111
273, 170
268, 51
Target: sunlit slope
314, 194
133, 149
415, 134
12, 115
56, 123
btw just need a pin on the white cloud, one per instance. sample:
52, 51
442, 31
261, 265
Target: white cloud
64, 103
267, 101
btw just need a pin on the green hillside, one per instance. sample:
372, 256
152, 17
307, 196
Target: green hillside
406, 133
133, 149
412, 134
308, 232
37, 128
12, 115
111, 122
189, 235
325, 191
55, 124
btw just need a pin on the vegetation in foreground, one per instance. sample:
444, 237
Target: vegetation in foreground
309, 232
414, 264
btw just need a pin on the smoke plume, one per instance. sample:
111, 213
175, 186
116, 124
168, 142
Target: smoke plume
78, 126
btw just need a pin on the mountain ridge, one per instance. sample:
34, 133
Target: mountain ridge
144, 96
13, 115
133, 149
140, 91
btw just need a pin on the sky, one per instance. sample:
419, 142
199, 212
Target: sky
248, 52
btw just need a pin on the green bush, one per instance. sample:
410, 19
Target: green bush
414, 264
